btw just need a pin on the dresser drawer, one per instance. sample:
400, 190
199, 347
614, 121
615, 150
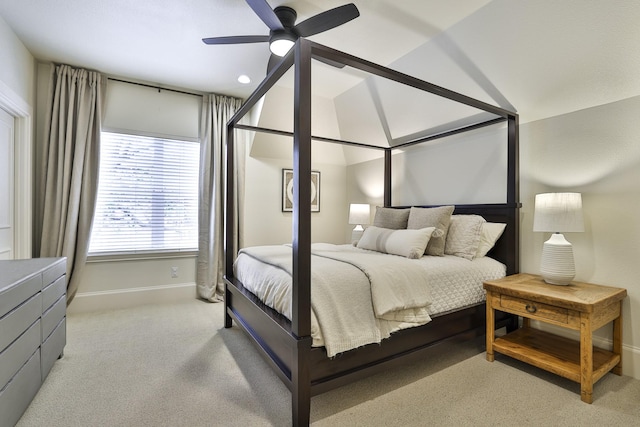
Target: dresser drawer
19, 320
52, 317
53, 292
17, 294
55, 271
53, 347
15, 356
16, 396
534, 310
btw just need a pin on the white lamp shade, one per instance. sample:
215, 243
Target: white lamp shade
359, 214
558, 212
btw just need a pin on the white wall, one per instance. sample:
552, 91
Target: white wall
265, 223
439, 172
17, 66
17, 92
137, 108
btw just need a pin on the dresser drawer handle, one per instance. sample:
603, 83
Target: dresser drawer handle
531, 308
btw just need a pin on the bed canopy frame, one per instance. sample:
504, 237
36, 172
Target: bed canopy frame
286, 345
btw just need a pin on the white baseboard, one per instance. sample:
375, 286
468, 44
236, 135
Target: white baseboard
127, 298
631, 361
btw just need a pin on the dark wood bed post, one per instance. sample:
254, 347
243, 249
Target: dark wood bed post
229, 218
387, 177
301, 292
513, 182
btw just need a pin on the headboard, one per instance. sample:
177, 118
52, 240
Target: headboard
507, 248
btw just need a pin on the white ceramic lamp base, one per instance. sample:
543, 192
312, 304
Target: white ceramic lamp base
356, 234
557, 266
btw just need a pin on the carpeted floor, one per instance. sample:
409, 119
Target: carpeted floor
175, 365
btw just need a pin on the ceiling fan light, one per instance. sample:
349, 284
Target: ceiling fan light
281, 46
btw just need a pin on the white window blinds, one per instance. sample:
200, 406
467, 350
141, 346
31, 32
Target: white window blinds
147, 195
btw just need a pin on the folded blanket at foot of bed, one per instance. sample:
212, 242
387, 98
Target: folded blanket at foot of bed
358, 297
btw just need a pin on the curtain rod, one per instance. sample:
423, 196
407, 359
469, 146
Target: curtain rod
155, 87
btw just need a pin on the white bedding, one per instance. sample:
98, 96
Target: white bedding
346, 310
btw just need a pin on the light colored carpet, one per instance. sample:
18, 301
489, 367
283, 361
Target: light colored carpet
175, 365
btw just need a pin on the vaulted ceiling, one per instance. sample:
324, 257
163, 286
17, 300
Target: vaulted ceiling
541, 57
161, 40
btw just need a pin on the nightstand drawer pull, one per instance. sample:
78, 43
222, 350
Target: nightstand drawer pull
534, 309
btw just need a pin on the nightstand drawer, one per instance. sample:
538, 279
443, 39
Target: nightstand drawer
534, 310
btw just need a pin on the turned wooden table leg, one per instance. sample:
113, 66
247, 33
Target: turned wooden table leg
491, 328
586, 359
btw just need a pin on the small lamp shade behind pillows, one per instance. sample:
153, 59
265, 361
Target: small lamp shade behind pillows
359, 215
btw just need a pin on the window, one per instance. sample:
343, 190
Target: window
147, 195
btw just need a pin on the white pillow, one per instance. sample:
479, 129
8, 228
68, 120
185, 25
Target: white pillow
463, 237
491, 232
407, 243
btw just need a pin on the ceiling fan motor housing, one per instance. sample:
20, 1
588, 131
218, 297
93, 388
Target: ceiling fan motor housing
286, 15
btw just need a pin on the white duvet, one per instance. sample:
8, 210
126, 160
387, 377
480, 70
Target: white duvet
360, 297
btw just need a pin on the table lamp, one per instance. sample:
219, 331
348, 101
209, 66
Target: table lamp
359, 214
558, 213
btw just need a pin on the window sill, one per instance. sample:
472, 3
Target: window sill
128, 256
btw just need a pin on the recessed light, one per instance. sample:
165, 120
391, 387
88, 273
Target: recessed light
244, 79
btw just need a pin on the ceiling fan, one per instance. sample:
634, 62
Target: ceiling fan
283, 30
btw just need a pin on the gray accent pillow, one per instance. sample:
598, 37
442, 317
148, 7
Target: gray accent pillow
391, 218
406, 243
439, 218
464, 235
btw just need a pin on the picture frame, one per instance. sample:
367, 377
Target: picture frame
287, 190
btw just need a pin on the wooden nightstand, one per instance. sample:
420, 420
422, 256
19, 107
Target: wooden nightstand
579, 306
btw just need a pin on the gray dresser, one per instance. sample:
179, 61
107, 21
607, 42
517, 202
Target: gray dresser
33, 307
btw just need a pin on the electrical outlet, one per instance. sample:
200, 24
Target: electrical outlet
174, 272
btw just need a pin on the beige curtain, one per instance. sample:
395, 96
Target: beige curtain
67, 192
216, 112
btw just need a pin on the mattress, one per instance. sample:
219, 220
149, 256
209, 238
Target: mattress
453, 283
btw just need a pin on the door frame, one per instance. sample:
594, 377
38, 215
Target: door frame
23, 170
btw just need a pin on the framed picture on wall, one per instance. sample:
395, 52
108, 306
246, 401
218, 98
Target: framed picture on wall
287, 190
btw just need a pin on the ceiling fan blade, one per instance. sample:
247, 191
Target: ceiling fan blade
236, 39
327, 20
264, 12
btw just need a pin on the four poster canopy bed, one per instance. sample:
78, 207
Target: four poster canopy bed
316, 344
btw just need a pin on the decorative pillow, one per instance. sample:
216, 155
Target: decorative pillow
463, 238
391, 218
432, 217
407, 243
491, 232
